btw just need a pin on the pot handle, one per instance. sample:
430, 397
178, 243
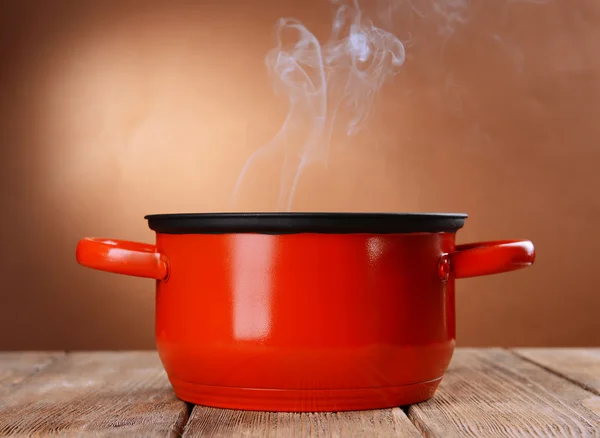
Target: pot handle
122, 257
486, 258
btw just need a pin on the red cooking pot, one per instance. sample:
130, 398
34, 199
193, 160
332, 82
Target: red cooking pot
305, 311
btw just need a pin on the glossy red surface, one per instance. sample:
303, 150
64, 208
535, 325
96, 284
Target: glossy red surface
305, 322
122, 257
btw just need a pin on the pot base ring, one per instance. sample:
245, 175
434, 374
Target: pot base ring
309, 400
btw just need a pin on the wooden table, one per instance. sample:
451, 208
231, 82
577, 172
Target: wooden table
486, 392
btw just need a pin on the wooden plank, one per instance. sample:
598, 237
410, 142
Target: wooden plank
385, 423
580, 365
494, 393
17, 366
99, 394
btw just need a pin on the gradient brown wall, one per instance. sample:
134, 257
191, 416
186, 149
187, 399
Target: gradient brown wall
112, 110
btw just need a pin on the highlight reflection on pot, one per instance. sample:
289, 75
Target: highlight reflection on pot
252, 272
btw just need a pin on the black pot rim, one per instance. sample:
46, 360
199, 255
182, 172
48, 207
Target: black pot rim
305, 222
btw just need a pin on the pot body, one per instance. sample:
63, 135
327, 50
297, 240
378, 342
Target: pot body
305, 312
305, 321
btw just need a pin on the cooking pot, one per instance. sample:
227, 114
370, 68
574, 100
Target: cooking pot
305, 311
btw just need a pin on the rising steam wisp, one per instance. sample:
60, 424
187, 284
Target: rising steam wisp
330, 87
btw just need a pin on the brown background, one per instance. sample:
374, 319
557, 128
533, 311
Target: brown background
112, 110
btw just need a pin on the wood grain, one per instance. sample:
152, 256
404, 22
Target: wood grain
95, 394
494, 393
211, 422
580, 365
489, 392
15, 367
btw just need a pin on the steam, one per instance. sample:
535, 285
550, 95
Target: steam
330, 87
452, 12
